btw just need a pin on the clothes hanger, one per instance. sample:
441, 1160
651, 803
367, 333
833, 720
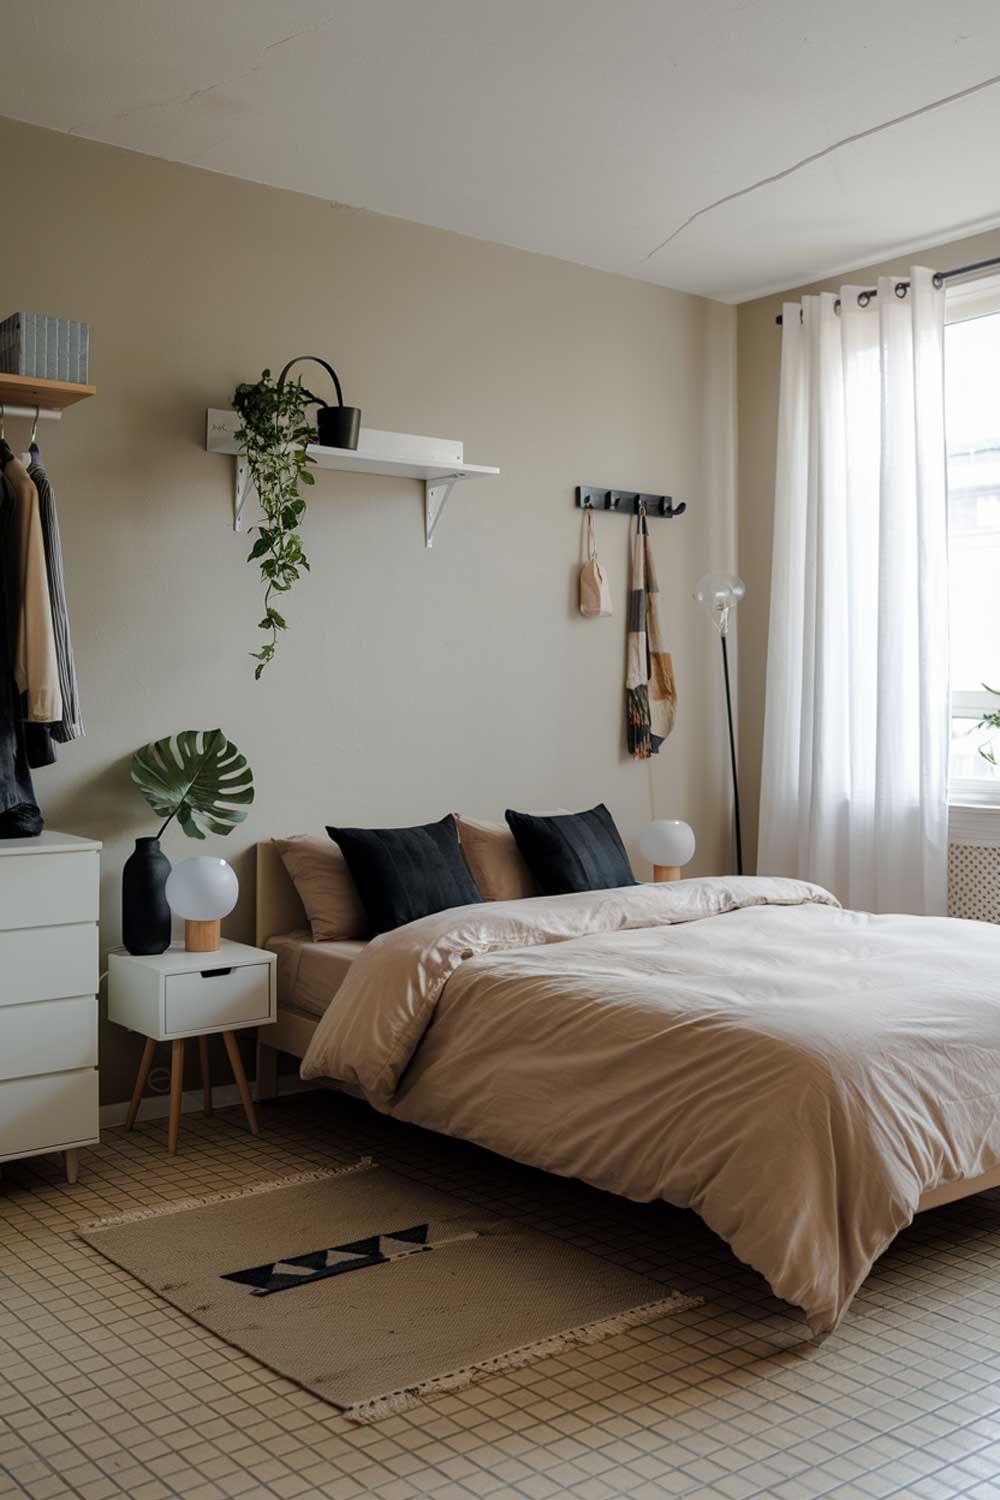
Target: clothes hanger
33, 452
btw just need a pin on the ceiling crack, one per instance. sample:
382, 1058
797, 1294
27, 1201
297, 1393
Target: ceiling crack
208, 88
805, 161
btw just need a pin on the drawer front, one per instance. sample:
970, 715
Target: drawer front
50, 1037
204, 1001
47, 963
43, 1114
40, 890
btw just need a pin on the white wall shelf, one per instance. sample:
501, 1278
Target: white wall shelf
438, 462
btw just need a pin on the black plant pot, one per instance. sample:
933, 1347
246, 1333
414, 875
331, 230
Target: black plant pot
338, 426
145, 913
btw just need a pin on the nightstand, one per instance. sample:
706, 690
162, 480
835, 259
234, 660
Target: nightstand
176, 995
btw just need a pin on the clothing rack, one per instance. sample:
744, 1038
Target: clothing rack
902, 287
32, 413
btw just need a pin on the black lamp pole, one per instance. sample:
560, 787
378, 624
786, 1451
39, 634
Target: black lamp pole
732, 756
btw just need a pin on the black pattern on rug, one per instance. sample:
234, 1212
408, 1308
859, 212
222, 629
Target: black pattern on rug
357, 1255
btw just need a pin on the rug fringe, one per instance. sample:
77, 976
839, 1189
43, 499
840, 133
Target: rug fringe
294, 1179
394, 1402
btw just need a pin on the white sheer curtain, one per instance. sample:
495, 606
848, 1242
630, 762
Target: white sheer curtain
854, 790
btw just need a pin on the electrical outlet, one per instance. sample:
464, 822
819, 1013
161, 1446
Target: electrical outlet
158, 1081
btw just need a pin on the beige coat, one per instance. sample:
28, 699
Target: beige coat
36, 666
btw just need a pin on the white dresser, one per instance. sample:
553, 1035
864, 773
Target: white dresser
49, 892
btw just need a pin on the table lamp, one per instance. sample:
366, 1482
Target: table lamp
668, 844
202, 890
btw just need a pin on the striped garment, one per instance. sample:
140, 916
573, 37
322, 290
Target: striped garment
69, 726
650, 695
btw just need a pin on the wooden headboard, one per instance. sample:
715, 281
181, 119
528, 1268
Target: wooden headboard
278, 906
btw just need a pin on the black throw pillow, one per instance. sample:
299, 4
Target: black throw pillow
405, 873
575, 852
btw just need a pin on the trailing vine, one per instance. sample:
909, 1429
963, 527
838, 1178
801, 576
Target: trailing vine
273, 435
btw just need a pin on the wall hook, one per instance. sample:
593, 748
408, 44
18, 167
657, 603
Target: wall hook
628, 502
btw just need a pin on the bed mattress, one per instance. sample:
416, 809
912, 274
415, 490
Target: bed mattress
310, 974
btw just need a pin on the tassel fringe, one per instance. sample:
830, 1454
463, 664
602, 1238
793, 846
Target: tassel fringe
394, 1402
637, 722
295, 1179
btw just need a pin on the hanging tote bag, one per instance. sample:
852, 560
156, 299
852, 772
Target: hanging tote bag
595, 591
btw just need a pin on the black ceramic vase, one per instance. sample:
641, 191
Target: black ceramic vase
145, 913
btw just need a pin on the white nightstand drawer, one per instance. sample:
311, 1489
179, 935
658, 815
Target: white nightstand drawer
220, 998
45, 1114
49, 889
50, 1037
47, 963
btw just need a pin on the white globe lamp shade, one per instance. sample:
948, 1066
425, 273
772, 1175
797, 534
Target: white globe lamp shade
720, 593
202, 890
668, 844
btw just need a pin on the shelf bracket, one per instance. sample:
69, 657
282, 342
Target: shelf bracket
241, 490
436, 492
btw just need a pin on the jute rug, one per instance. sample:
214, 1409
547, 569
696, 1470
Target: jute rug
371, 1291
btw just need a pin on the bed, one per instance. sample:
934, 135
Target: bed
805, 1078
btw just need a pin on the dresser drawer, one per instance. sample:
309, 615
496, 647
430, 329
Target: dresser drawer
45, 1114
207, 1001
48, 889
46, 963
50, 1037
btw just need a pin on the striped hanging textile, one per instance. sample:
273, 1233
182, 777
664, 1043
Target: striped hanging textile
650, 694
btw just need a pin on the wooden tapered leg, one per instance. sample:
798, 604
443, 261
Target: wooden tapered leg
72, 1164
140, 1081
176, 1087
236, 1063
206, 1077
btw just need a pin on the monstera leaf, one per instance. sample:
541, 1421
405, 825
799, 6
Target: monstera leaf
194, 777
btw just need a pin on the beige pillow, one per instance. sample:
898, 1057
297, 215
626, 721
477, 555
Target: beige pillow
325, 886
495, 860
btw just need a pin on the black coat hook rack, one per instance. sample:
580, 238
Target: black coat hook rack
627, 502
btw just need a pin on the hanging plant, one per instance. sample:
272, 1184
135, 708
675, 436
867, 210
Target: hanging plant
273, 436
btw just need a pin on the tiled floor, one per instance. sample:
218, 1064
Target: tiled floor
106, 1391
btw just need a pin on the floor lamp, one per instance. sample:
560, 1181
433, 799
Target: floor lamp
720, 593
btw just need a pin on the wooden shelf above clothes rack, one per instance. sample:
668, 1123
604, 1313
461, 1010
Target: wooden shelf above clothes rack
20, 395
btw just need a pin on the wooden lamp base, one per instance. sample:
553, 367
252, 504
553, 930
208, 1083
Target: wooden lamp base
662, 872
203, 937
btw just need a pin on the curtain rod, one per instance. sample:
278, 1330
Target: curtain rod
902, 287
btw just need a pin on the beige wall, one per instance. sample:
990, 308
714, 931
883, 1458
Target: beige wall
759, 362
410, 682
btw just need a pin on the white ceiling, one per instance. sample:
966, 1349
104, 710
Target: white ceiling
593, 130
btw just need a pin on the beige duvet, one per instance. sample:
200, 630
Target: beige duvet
797, 1074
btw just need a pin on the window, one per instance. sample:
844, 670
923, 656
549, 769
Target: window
972, 417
